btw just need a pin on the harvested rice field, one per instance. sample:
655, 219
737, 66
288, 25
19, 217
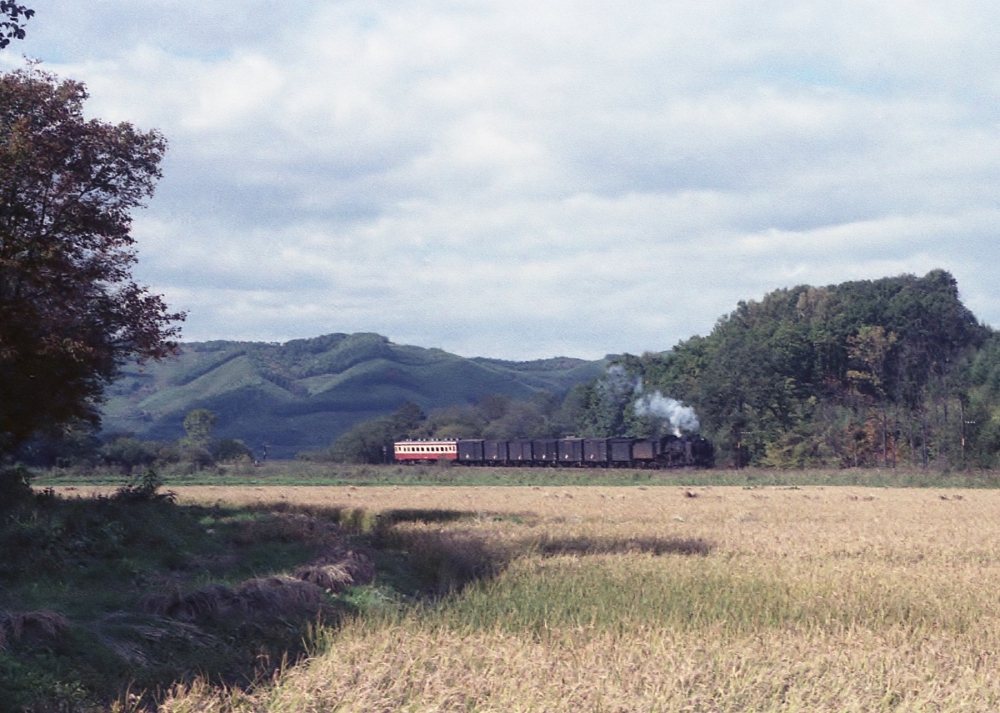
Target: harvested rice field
655, 599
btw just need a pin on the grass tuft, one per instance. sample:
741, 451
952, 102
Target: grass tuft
41, 625
278, 595
335, 574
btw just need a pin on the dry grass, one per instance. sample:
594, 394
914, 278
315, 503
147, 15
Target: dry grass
833, 599
274, 595
337, 573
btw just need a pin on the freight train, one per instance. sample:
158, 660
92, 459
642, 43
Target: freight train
667, 452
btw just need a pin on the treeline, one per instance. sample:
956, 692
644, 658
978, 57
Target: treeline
881, 373
82, 445
495, 416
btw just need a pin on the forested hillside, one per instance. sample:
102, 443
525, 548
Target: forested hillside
883, 372
301, 394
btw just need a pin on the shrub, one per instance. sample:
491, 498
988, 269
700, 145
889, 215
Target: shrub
198, 457
231, 450
144, 489
14, 486
168, 453
128, 452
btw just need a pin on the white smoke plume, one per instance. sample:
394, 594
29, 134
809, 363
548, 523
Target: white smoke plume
680, 417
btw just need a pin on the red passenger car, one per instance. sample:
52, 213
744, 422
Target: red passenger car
422, 451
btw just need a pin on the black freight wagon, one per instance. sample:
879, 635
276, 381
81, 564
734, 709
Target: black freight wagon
470, 452
545, 450
519, 452
495, 452
570, 451
596, 451
620, 451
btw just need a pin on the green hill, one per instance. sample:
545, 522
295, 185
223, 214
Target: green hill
302, 394
895, 371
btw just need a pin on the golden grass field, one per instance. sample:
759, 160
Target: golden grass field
811, 599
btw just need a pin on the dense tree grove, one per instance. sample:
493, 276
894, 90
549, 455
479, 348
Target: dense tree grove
84, 447
371, 441
864, 373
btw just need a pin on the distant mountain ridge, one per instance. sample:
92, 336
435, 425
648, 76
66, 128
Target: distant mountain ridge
302, 394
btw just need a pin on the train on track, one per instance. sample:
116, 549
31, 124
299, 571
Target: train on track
688, 451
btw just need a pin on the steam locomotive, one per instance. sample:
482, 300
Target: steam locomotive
667, 452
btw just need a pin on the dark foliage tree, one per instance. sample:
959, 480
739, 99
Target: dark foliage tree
198, 425
371, 441
12, 19
128, 452
70, 312
500, 417
231, 450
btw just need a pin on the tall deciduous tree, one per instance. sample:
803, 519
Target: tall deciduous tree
70, 312
12, 19
869, 350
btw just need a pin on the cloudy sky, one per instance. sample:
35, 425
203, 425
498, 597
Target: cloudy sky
525, 179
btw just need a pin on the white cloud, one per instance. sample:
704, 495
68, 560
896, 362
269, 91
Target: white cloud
524, 179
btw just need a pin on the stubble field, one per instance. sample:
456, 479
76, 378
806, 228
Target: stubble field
659, 599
